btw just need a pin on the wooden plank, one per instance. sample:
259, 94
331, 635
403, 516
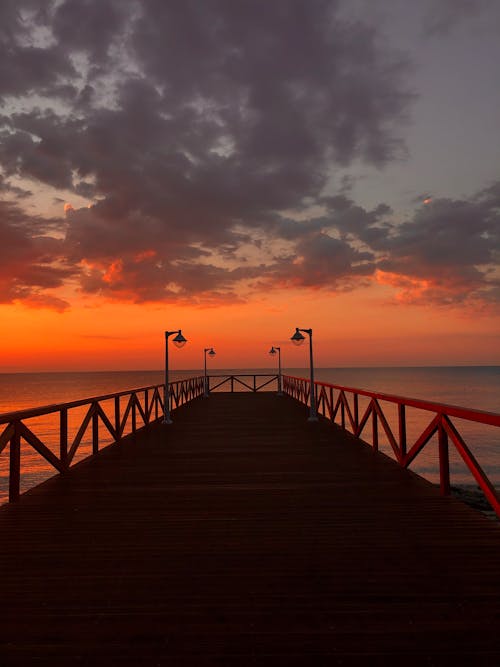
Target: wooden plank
241, 534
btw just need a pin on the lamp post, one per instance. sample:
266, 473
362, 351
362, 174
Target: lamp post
273, 351
211, 353
298, 339
179, 341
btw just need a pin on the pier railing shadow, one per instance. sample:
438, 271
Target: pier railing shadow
343, 406
130, 411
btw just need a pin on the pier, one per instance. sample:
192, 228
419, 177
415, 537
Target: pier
242, 534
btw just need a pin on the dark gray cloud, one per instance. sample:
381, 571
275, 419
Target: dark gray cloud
93, 27
446, 253
322, 261
443, 15
450, 249
27, 64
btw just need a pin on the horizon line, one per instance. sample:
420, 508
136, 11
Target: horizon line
242, 368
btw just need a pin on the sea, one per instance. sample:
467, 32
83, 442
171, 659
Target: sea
466, 386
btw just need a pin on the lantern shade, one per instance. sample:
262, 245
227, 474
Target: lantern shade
297, 338
272, 351
179, 340
211, 352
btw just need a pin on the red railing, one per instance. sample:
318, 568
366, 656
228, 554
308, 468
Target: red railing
333, 403
142, 405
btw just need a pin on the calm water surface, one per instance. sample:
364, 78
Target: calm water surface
472, 387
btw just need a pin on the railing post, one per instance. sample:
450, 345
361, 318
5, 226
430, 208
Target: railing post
402, 430
356, 411
63, 437
444, 459
15, 465
146, 405
118, 426
95, 431
374, 428
134, 414
342, 411
232, 383
254, 383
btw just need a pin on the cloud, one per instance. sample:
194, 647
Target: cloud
32, 261
27, 66
91, 26
448, 252
321, 261
13, 190
43, 300
442, 16
204, 135
192, 126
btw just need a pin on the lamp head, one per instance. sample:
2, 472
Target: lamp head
179, 340
273, 351
211, 352
297, 338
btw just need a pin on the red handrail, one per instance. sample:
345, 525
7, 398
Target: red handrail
332, 403
144, 404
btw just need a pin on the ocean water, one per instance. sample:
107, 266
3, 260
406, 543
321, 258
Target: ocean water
471, 387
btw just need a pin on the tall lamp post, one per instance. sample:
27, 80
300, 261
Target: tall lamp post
211, 353
298, 339
179, 341
273, 351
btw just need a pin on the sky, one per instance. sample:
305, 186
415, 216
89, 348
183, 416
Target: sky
238, 169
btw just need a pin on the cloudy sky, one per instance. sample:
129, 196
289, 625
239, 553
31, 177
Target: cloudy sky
237, 168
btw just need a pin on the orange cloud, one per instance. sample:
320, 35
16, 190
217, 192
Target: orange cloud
145, 254
114, 272
411, 289
36, 301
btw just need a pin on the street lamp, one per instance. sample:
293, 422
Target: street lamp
179, 341
298, 339
273, 351
211, 353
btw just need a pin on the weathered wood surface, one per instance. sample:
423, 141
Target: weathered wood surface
243, 535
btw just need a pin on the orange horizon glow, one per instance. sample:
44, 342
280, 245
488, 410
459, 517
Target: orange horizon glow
362, 328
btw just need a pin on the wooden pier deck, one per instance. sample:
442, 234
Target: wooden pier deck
243, 535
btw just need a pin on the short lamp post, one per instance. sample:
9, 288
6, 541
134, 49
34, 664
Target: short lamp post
211, 353
298, 339
273, 351
179, 341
